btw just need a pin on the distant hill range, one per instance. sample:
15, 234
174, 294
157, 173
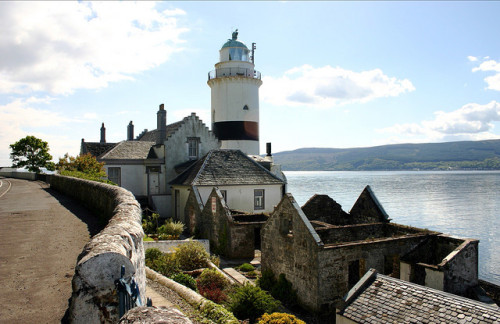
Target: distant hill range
467, 155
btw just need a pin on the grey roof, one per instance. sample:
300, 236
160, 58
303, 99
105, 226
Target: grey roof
96, 148
151, 136
129, 150
381, 299
225, 167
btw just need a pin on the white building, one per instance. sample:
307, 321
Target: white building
146, 164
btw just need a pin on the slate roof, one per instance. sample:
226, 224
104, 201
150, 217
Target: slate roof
129, 150
225, 167
381, 299
96, 148
151, 136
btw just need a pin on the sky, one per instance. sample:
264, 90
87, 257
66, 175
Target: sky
335, 74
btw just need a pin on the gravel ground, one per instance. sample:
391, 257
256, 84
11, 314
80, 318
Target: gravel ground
177, 300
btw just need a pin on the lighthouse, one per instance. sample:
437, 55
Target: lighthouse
235, 97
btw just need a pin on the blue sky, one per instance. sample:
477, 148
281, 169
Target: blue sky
335, 74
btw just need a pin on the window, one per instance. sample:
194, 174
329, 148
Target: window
258, 201
114, 175
193, 145
224, 195
245, 107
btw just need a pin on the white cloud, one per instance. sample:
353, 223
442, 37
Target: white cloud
470, 122
18, 118
472, 58
326, 87
63, 46
489, 65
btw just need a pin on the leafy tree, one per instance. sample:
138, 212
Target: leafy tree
85, 163
31, 152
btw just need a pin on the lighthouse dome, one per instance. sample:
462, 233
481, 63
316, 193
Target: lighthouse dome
234, 42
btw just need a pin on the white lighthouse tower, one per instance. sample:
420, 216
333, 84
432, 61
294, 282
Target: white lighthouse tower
235, 97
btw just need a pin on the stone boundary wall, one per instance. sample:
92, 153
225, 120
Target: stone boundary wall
169, 246
18, 175
94, 298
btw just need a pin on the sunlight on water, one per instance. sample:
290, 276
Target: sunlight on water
459, 203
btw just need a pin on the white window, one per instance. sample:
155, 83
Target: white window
115, 175
193, 147
258, 200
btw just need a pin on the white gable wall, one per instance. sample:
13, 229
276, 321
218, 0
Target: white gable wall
176, 146
241, 197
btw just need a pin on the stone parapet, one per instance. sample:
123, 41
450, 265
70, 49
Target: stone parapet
94, 298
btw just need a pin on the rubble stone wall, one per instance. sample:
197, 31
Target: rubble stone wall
94, 298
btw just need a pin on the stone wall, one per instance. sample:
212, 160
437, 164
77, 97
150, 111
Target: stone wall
324, 209
94, 298
291, 247
461, 272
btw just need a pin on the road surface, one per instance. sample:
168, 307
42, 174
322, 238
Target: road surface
41, 235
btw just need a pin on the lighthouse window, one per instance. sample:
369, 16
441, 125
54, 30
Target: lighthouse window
238, 54
245, 107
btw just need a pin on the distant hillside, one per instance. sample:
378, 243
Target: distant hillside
467, 155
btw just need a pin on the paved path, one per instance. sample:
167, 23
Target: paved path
41, 235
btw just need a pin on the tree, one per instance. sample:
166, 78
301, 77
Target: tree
83, 166
31, 152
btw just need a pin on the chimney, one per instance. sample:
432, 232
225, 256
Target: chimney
130, 131
103, 134
268, 149
161, 124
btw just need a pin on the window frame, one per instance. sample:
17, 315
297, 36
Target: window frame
259, 201
116, 178
193, 148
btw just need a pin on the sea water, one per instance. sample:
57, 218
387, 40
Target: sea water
464, 204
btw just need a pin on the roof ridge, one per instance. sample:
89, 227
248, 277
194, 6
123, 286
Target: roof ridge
206, 158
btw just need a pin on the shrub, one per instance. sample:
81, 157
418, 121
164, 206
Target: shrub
246, 267
191, 256
279, 318
215, 260
267, 280
172, 229
166, 264
283, 291
150, 223
185, 280
212, 277
280, 289
251, 302
211, 285
217, 313
153, 254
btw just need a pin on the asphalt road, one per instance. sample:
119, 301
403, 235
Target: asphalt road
41, 235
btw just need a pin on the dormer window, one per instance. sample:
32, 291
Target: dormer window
193, 144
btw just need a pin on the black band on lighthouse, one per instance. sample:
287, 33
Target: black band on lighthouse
236, 130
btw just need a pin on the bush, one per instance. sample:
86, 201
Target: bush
191, 256
211, 285
279, 318
212, 277
150, 223
267, 280
166, 264
281, 289
172, 229
246, 267
185, 280
217, 313
153, 254
251, 302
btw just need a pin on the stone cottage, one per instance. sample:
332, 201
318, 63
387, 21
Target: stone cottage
324, 251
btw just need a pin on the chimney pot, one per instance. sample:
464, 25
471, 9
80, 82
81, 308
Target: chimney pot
268, 149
